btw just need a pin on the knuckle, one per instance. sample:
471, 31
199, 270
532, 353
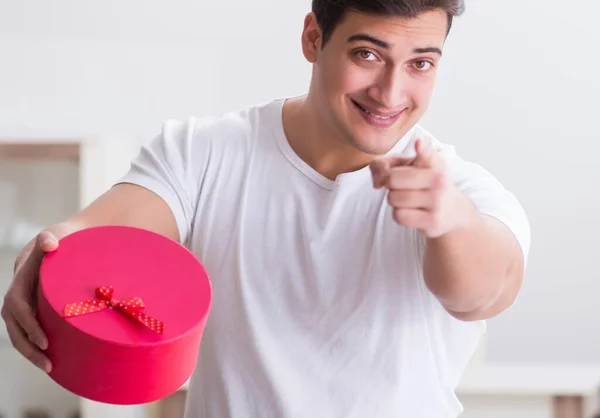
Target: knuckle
15, 339
399, 216
441, 177
32, 356
9, 301
4, 313
437, 196
23, 346
435, 173
392, 197
392, 180
28, 354
435, 219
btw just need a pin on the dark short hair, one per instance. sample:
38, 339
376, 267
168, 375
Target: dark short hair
330, 13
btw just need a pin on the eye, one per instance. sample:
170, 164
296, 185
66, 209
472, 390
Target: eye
422, 65
365, 55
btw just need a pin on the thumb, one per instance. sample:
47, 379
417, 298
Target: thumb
46, 242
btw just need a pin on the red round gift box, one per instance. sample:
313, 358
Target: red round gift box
116, 353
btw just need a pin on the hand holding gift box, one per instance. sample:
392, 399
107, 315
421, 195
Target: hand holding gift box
124, 310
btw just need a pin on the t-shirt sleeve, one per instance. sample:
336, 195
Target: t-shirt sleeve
489, 196
171, 166
484, 190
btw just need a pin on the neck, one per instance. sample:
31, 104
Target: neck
315, 142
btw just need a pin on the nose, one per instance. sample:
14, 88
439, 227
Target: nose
390, 89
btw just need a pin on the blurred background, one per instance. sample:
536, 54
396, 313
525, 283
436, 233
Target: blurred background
84, 83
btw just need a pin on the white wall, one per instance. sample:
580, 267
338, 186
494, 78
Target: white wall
516, 92
114, 67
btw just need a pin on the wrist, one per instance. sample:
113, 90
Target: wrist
467, 213
465, 218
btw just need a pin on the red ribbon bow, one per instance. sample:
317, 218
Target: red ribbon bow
132, 307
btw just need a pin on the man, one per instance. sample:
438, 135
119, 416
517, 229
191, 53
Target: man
354, 258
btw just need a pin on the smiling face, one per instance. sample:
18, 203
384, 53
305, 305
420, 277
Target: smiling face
373, 79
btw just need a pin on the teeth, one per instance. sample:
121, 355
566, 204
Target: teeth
374, 115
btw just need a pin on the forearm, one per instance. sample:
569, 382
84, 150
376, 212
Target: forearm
475, 270
124, 204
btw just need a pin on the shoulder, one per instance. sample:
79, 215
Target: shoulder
186, 148
230, 128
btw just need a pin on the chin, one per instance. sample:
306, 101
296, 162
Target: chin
374, 146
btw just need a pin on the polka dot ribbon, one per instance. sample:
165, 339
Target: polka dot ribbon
132, 307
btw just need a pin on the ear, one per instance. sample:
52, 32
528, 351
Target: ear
311, 38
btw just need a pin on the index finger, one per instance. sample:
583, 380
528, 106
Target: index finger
399, 161
23, 314
380, 168
25, 347
410, 178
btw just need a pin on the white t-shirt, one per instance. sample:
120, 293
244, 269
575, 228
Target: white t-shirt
319, 309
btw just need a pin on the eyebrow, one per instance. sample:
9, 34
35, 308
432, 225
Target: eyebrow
385, 45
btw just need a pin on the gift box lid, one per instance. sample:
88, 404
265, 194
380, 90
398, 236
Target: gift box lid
164, 290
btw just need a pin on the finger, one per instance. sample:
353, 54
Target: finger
427, 156
28, 272
424, 154
379, 172
23, 314
381, 167
22, 300
411, 178
29, 267
19, 340
411, 199
46, 242
399, 161
411, 218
